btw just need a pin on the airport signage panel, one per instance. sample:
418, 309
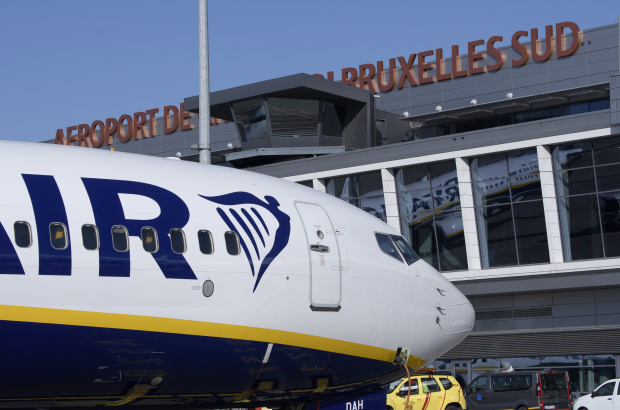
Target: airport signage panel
366, 76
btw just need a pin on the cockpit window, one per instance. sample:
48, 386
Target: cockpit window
386, 245
405, 249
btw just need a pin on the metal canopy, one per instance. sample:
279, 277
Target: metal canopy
297, 86
513, 104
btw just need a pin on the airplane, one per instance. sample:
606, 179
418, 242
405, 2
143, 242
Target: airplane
134, 280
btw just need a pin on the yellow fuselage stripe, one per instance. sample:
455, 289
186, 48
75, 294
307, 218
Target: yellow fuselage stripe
194, 328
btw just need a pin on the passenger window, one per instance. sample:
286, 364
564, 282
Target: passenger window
523, 382
177, 240
414, 388
205, 242
429, 386
405, 249
480, 384
149, 240
58, 236
23, 234
386, 245
447, 384
120, 238
501, 383
90, 237
232, 243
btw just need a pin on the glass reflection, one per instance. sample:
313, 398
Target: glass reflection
497, 239
575, 182
522, 162
443, 173
531, 232
520, 362
607, 150
526, 188
608, 178
251, 119
370, 184
415, 201
373, 205
491, 192
574, 155
609, 204
332, 121
489, 167
580, 227
293, 118
419, 231
451, 240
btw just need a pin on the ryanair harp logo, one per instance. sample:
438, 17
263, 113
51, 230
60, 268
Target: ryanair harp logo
254, 220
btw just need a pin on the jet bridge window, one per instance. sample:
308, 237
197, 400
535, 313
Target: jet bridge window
90, 237
177, 240
23, 234
149, 240
387, 246
58, 236
232, 243
205, 242
120, 238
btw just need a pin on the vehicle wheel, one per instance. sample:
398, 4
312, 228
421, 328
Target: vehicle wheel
389, 408
521, 408
452, 407
582, 408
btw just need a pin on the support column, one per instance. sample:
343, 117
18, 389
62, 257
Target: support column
319, 185
470, 229
550, 204
390, 197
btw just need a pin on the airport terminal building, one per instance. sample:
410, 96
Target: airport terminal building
500, 165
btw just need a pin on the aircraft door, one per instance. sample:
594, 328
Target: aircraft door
325, 266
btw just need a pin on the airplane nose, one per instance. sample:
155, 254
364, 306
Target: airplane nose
460, 317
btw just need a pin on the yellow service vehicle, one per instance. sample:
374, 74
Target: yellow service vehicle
428, 392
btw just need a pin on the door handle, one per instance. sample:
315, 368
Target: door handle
319, 248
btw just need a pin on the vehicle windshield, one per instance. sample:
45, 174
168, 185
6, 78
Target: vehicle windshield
405, 249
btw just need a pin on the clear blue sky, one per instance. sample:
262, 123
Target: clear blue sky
68, 62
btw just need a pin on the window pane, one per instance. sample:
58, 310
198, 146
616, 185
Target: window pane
447, 384
610, 216
523, 382
205, 242
23, 235
602, 104
501, 383
531, 232
574, 155
120, 239
443, 173
343, 187
232, 243
579, 108
419, 231
370, 184
446, 198
149, 240
309, 184
575, 182
520, 362
588, 378
415, 201
451, 241
177, 240
293, 118
608, 177
489, 167
374, 206
386, 245
526, 187
491, 192
522, 162
405, 249
581, 229
251, 119
58, 235
332, 121
497, 240
90, 237
429, 385
413, 178
607, 150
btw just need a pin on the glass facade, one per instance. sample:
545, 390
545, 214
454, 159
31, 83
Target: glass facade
309, 184
514, 118
587, 180
509, 209
251, 119
293, 118
364, 191
430, 214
